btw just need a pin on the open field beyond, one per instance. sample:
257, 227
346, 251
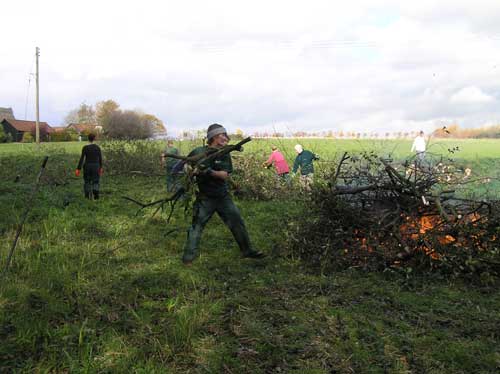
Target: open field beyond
96, 288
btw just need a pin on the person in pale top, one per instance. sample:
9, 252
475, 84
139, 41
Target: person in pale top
279, 162
419, 146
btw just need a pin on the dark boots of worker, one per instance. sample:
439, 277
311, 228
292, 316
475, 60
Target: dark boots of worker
96, 194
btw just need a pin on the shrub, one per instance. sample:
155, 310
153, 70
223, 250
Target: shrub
253, 181
67, 135
28, 138
5, 137
132, 156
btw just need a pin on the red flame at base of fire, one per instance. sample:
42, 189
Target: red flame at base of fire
413, 235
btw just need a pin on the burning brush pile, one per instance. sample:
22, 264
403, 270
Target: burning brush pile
375, 215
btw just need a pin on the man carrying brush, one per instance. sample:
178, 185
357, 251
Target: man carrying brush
213, 196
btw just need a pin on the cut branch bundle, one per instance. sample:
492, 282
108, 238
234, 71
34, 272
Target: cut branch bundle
195, 165
376, 214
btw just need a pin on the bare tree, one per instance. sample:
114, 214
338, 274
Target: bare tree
83, 114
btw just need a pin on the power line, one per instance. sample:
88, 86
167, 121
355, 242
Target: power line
30, 74
222, 46
27, 97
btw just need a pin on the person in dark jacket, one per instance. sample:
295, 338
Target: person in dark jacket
304, 161
170, 164
213, 196
91, 159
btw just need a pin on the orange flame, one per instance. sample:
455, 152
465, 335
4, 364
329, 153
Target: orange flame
414, 229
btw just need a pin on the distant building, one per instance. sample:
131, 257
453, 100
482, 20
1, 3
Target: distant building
6, 113
160, 136
18, 128
84, 128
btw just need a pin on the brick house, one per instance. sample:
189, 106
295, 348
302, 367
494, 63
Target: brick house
17, 128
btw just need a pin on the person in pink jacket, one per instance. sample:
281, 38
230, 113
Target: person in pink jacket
279, 162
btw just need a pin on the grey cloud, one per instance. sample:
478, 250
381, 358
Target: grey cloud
382, 67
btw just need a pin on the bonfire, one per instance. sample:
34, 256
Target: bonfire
376, 214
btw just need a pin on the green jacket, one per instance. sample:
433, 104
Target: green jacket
208, 185
304, 161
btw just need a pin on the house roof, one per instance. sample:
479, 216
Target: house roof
58, 129
82, 126
26, 126
6, 113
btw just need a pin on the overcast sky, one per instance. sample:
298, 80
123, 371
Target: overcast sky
258, 65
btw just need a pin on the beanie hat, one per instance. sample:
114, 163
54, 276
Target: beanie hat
215, 129
299, 148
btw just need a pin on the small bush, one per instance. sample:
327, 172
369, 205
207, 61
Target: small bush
68, 135
253, 181
3, 135
28, 138
132, 157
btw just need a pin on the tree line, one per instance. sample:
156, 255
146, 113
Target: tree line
456, 132
114, 122
452, 131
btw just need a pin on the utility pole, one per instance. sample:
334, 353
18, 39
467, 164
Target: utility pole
37, 100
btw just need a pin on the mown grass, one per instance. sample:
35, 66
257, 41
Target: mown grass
95, 288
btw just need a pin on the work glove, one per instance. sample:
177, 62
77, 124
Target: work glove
101, 171
77, 172
203, 172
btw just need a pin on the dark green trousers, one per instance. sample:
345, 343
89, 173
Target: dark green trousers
203, 210
91, 180
174, 182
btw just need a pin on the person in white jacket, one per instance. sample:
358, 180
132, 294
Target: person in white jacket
419, 146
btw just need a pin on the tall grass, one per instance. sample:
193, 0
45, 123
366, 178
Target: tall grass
95, 288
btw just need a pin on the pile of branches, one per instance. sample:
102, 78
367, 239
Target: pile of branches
376, 215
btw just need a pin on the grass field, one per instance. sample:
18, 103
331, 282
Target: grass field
469, 149
481, 155
93, 288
